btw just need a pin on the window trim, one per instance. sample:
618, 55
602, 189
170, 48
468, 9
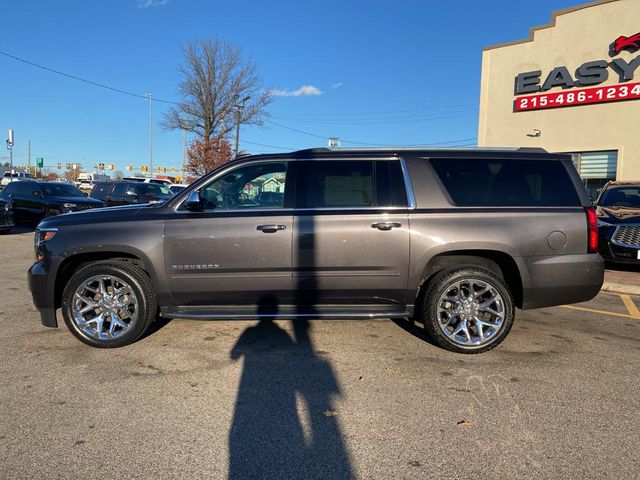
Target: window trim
289, 163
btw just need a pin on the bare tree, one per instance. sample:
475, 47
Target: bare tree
215, 78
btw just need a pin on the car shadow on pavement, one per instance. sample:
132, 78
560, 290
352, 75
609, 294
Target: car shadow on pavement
19, 229
623, 267
414, 328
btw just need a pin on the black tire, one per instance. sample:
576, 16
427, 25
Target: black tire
436, 289
142, 289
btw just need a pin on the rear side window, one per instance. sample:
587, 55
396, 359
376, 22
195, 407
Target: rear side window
120, 188
101, 189
335, 184
506, 182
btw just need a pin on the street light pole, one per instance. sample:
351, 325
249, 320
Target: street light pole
148, 97
10, 146
239, 107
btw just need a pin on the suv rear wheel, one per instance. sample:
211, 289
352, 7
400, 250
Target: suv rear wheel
109, 304
468, 310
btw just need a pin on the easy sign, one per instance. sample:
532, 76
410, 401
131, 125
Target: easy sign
588, 74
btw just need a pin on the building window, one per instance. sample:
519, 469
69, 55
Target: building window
596, 169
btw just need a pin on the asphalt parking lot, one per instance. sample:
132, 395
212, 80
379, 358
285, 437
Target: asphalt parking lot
324, 400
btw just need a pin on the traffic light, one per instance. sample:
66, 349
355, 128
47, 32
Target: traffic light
164, 169
101, 166
59, 166
144, 168
68, 166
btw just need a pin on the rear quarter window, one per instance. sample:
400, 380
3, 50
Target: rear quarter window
506, 182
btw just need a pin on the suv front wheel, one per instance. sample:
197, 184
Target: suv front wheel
109, 304
468, 310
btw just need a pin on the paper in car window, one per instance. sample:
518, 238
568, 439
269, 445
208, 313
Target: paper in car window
343, 191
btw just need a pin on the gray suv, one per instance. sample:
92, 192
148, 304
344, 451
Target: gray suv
456, 239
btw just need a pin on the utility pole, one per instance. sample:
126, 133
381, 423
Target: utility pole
148, 97
10, 142
239, 106
29, 157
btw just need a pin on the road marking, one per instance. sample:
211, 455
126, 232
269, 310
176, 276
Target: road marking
602, 312
633, 310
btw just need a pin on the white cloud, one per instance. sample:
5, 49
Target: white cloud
151, 3
303, 91
337, 85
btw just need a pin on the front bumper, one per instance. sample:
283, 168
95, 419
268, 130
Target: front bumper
619, 253
41, 286
7, 221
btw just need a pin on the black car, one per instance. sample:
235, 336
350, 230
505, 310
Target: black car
34, 200
618, 209
130, 193
6, 216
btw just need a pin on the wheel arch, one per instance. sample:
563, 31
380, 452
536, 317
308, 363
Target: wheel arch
495, 261
73, 263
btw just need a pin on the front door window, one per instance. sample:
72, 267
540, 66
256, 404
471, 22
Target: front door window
253, 186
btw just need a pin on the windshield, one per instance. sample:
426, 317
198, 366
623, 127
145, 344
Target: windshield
628, 196
61, 190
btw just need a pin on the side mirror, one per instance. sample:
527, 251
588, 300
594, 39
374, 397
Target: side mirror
193, 201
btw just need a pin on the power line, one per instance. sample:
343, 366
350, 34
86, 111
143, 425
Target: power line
84, 80
368, 143
381, 113
268, 146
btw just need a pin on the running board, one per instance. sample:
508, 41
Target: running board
198, 313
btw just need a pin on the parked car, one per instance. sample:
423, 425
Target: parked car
177, 187
9, 177
6, 216
453, 238
618, 209
158, 181
63, 180
35, 200
130, 193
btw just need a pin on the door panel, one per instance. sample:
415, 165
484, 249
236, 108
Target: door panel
238, 251
218, 259
341, 259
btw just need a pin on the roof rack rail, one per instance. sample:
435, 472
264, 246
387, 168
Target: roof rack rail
425, 148
313, 150
533, 149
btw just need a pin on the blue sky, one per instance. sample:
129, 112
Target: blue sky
383, 72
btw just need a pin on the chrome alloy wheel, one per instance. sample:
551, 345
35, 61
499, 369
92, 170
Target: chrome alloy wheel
470, 312
104, 307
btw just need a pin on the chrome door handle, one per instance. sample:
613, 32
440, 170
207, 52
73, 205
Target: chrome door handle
270, 228
386, 225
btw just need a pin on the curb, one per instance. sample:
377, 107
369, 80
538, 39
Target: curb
620, 288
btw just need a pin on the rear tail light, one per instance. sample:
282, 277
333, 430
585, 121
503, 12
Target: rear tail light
592, 225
